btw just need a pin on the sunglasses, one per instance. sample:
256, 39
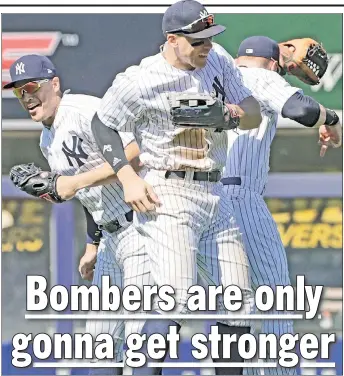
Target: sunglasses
196, 26
280, 70
199, 42
29, 88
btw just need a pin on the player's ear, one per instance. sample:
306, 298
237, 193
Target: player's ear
273, 65
172, 39
56, 84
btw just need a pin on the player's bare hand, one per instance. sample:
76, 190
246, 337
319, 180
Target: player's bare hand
329, 136
140, 195
88, 261
66, 187
137, 192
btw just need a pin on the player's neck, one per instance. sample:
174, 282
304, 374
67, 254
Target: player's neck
250, 62
50, 121
171, 58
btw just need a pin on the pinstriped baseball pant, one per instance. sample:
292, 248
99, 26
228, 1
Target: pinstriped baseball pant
119, 254
193, 223
265, 251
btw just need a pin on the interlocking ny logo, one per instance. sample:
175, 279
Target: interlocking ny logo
203, 13
20, 68
77, 153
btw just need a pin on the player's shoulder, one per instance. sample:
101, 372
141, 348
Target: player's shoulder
80, 104
263, 74
220, 50
252, 73
150, 61
221, 53
137, 75
151, 65
128, 77
79, 101
136, 71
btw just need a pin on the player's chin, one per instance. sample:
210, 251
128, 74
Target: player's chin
37, 114
201, 61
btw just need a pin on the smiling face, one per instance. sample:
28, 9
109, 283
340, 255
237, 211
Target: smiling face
40, 98
190, 53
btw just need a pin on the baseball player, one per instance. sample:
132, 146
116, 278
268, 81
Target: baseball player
70, 149
247, 166
178, 209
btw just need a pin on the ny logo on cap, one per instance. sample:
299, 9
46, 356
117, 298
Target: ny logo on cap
203, 13
20, 68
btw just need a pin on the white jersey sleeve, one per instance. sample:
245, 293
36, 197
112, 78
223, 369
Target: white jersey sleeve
234, 85
270, 88
121, 105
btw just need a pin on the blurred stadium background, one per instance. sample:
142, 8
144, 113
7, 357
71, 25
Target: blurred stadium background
304, 192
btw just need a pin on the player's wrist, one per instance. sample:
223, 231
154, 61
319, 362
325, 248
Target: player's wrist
91, 242
126, 174
79, 181
331, 117
91, 247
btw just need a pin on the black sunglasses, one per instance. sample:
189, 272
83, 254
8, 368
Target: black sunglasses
199, 42
281, 71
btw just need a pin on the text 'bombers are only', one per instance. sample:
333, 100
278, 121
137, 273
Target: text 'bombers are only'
111, 298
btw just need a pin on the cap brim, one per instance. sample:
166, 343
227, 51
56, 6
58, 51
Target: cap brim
207, 33
27, 78
9, 85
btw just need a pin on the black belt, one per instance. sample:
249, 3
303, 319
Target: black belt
212, 176
114, 225
233, 180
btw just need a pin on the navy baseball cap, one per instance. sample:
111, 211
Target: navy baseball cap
190, 18
31, 67
259, 46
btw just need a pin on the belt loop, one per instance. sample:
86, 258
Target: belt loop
189, 175
192, 173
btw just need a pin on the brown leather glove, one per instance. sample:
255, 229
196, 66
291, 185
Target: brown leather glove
305, 59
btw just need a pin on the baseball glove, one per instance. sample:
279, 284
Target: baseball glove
32, 180
190, 110
305, 59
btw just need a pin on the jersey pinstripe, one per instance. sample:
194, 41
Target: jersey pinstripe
249, 151
138, 102
70, 149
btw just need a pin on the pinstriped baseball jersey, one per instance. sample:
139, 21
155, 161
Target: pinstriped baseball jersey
70, 149
138, 102
249, 151
248, 158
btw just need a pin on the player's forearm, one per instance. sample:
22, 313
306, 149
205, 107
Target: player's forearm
249, 113
93, 233
105, 174
308, 112
110, 144
99, 176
